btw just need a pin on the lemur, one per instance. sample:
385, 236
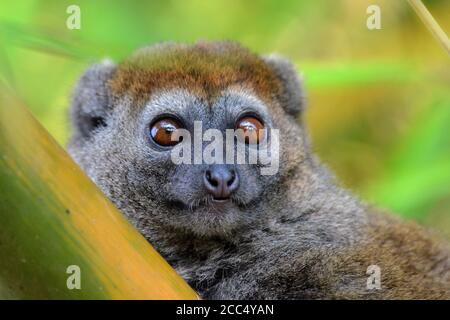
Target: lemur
228, 230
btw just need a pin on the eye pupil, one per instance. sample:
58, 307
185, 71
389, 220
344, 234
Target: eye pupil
251, 128
161, 131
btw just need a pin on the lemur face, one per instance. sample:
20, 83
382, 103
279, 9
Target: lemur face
124, 134
200, 191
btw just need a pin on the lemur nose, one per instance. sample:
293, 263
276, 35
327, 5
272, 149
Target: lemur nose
221, 181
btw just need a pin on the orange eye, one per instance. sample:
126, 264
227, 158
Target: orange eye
161, 131
252, 129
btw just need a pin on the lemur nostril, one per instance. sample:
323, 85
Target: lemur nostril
220, 181
211, 180
214, 183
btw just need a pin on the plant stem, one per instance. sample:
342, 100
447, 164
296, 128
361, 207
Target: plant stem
431, 23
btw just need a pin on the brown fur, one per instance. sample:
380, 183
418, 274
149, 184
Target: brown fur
411, 259
203, 68
413, 265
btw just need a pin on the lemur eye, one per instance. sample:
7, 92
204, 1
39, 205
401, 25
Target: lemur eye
252, 129
161, 131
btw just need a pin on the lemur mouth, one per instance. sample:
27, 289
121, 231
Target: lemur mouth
221, 200
202, 202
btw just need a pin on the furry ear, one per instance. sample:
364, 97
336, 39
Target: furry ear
292, 93
91, 99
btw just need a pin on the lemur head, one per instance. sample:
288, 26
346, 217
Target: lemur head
124, 117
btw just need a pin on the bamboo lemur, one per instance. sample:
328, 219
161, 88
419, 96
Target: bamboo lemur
228, 230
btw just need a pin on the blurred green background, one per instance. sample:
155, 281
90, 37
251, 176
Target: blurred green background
378, 100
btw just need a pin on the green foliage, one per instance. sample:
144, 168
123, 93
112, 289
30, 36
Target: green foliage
418, 172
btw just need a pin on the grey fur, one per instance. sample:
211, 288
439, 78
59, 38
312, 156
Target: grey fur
292, 99
285, 236
92, 98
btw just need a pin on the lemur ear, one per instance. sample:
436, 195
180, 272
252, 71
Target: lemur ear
292, 94
91, 99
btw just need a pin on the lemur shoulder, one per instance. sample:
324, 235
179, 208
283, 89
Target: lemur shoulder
230, 231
